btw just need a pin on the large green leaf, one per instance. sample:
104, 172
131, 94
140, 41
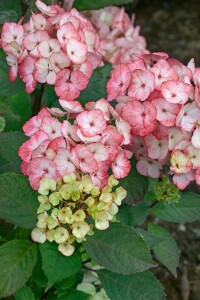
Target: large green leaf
135, 184
74, 295
96, 88
56, 266
149, 238
88, 4
140, 286
25, 293
186, 210
6, 87
38, 275
119, 249
133, 215
18, 259
16, 110
10, 11
167, 251
9, 146
18, 202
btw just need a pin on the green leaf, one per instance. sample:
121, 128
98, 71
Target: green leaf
140, 286
88, 4
56, 266
135, 184
96, 88
25, 293
18, 259
186, 210
38, 275
6, 87
2, 124
9, 146
133, 215
50, 99
74, 295
18, 202
32, 8
18, 234
149, 238
16, 109
167, 252
10, 11
119, 249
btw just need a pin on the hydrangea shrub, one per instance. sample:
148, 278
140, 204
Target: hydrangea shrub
98, 138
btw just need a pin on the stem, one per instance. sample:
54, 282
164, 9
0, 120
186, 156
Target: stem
89, 269
154, 203
38, 101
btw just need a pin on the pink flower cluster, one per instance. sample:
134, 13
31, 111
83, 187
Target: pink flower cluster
119, 39
159, 98
91, 145
55, 47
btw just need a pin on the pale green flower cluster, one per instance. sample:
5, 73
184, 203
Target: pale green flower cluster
165, 190
67, 207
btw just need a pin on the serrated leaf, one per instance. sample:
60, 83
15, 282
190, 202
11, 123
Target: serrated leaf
18, 259
38, 275
25, 293
149, 238
135, 184
9, 146
96, 88
10, 11
133, 215
18, 202
88, 4
186, 210
6, 87
74, 295
167, 252
56, 266
140, 286
119, 249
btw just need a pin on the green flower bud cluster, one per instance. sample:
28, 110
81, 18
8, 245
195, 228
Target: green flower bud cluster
165, 190
66, 207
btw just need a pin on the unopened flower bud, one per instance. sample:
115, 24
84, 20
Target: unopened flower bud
102, 222
55, 212
80, 229
66, 249
119, 195
55, 198
52, 222
75, 195
95, 191
38, 235
112, 181
79, 215
64, 191
106, 197
61, 235
47, 185
89, 201
43, 199
43, 207
50, 235
69, 178
102, 206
